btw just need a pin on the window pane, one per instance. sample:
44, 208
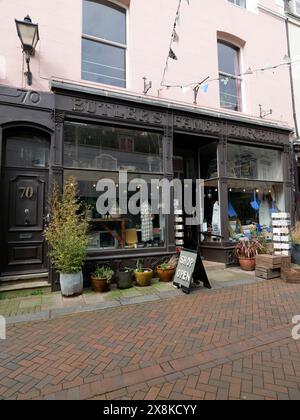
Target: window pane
254, 163
228, 59
208, 161
118, 231
104, 20
241, 3
27, 152
250, 208
230, 93
107, 148
103, 63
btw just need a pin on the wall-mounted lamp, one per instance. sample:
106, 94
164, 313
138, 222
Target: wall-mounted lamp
28, 33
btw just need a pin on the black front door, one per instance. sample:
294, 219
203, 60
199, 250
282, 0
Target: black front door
23, 210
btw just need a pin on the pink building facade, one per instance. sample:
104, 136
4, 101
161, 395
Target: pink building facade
215, 104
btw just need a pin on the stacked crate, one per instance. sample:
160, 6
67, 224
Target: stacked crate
281, 233
268, 266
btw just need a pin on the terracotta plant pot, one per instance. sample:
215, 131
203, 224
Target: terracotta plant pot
247, 264
144, 278
124, 279
99, 285
166, 275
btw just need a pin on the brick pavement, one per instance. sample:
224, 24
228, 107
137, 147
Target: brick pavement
232, 343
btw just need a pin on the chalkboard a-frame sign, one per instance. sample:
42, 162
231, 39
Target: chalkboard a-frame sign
190, 267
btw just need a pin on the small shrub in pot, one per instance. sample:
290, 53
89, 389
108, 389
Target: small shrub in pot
101, 279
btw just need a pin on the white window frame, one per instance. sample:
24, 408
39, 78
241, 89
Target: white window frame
234, 77
112, 44
236, 3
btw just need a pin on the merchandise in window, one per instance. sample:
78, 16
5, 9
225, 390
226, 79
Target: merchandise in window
250, 208
116, 231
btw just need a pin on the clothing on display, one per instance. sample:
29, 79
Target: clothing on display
216, 222
146, 222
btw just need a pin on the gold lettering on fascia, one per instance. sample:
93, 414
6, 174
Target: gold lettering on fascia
118, 111
253, 134
193, 124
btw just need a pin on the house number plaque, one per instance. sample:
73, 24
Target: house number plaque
26, 193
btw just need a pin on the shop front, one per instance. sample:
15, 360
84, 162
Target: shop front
84, 133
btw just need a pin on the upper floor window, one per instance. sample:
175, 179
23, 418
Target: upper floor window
229, 74
104, 43
241, 3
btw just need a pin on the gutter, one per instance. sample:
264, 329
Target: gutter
163, 103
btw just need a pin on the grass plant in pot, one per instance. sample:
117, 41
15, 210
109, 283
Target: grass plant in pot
101, 279
125, 278
295, 235
67, 236
246, 251
166, 270
143, 276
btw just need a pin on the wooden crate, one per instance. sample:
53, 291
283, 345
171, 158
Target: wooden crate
268, 261
267, 273
286, 265
293, 276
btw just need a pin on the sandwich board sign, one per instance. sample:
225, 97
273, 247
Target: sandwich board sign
190, 268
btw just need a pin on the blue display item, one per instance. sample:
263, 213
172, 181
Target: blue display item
231, 211
255, 204
274, 208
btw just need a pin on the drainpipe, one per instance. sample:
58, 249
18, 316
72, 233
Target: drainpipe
294, 166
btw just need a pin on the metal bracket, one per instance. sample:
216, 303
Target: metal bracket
264, 113
196, 89
147, 86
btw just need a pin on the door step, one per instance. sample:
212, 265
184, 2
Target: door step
24, 282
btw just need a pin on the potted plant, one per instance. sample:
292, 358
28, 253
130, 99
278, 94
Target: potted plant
143, 276
295, 235
101, 279
124, 278
166, 270
246, 251
67, 236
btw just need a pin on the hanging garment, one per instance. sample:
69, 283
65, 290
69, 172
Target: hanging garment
255, 204
216, 223
231, 211
274, 208
146, 222
264, 213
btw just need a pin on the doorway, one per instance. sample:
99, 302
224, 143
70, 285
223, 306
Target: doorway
25, 176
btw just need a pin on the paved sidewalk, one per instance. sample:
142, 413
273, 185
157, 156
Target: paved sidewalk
52, 305
228, 343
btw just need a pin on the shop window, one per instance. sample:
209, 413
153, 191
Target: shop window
88, 146
250, 208
104, 43
229, 74
117, 231
212, 213
247, 162
208, 161
27, 151
241, 3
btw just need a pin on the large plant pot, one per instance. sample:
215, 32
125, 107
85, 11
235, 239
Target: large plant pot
166, 275
296, 254
71, 284
99, 285
247, 264
124, 279
143, 279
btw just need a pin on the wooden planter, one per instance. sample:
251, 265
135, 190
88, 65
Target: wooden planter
143, 279
247, 264
99, 285
166, 275
293, 276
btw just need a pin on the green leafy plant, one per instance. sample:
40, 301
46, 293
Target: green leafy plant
295, 234
164, 266
103, 273
139, 267
247, 248
67, 232
169, 265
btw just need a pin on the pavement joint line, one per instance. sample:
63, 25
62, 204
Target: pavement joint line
108, 385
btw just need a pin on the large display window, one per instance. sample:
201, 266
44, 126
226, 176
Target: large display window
95, 152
